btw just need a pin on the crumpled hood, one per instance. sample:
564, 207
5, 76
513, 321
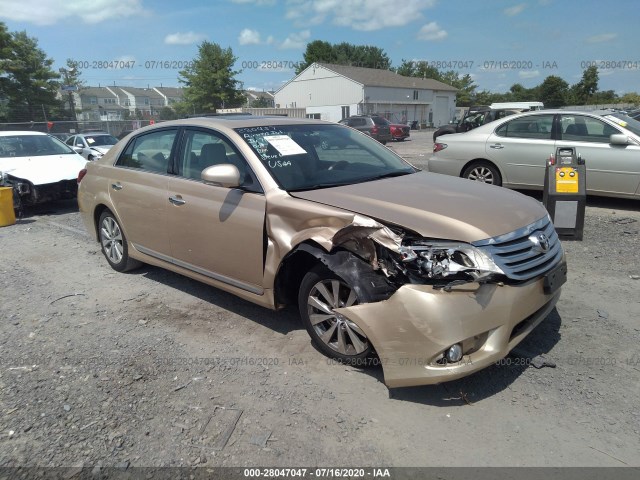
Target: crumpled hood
435, 206
102, 150
41, 170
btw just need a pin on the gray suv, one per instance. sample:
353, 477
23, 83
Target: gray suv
373, 125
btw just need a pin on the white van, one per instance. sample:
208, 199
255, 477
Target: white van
518, 105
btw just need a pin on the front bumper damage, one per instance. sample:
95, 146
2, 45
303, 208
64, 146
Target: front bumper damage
411, 319
26, 193
416, 324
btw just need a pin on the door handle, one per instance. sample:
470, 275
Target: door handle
116, 186
497, 146
177, 200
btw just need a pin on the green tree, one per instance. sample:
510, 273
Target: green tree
631, 97
262, 102
210, 80
167, 113
465, 85
586, 87
28, 84
344, 53
71, 78
420, 69
554, 92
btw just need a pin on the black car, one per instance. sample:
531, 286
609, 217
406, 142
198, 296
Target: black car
474, 117
375, 126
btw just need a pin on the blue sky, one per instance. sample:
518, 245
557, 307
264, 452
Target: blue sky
498, 42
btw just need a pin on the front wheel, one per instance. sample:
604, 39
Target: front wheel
114, 243
484, 172
321, 292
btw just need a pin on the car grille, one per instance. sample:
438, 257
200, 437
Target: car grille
519, 253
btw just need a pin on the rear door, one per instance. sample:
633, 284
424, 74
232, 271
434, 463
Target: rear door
521, 147
138, 191
610, 168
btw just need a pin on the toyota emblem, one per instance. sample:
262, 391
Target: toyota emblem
540, 242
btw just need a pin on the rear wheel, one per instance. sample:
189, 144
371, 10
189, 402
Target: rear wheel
114, 243
321, 292
484, 172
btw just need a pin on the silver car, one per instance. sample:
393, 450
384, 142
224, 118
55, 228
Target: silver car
92, 145
512, 152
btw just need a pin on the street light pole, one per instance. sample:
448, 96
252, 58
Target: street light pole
66, 73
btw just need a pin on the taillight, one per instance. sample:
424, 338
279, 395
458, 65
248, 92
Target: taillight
374, 129
81, 175
439, 146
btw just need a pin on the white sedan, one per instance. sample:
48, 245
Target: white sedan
513, 151
38, 166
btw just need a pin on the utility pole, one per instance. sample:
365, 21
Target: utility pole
66, 73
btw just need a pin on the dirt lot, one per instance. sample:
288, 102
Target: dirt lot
153, 369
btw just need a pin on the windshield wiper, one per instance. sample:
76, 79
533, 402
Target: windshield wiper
385, 175
317, 186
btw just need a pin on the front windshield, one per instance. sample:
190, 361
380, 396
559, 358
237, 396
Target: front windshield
307, 157
32, 146
100, 140
625, 121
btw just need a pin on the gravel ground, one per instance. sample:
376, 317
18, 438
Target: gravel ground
153, 369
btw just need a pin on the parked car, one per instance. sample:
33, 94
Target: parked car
39, 167
475, 117
375, 126
61, 136
399, 131
379, 257
92, 145
513, 151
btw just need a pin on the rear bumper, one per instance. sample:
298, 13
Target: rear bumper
445, 166
411, 330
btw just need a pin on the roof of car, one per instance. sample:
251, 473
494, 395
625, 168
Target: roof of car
19, 132
241, 121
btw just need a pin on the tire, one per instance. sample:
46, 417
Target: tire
384, 142
114, 244
334, 335
90, 158
484, 172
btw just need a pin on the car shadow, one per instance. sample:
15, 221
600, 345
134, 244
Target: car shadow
58, 207
283, 321
465, 391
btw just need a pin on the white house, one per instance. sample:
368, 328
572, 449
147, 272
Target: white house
333, 92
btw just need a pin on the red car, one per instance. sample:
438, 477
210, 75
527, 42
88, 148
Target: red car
399, 131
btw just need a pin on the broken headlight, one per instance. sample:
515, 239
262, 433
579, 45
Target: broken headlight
439, 260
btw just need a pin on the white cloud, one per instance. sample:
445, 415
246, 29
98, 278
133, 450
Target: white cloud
256, 2
524, 74
249, 37
365, 15
603, 37
296, 40
515, 10
186, 38
431, 31
51, 12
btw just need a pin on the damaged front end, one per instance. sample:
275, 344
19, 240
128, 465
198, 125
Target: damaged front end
25, 193
434, 310
405, 258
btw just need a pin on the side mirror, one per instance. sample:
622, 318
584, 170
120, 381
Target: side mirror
225, 175
619, 139
78, 149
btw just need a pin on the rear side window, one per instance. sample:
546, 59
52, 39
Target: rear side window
534, 126
380, 121
578, 128
149, 152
